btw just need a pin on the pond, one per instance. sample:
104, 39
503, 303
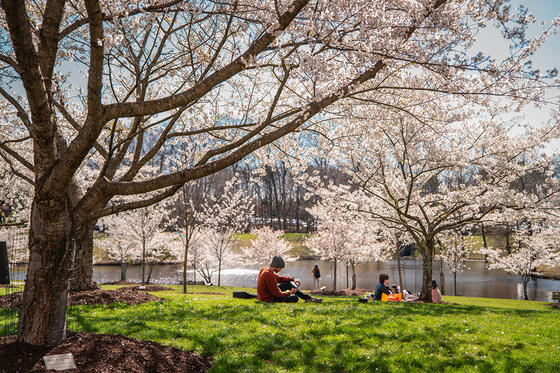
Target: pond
476, 281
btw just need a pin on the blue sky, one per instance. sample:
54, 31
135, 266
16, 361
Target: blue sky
546, 58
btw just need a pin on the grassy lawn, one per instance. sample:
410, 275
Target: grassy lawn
339, 335
476, 334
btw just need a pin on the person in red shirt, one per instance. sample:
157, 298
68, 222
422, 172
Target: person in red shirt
272, 287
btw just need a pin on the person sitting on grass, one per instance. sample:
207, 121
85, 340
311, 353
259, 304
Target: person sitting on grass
272, 287
436, 294
382, 287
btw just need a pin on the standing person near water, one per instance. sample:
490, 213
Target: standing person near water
272, 287
316, 276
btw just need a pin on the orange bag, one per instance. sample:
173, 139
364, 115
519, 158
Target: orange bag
391, 297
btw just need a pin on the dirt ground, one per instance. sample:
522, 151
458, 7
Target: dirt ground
101, 353
97, 296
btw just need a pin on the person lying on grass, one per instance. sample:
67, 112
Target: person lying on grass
272, 287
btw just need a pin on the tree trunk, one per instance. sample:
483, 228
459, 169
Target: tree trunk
185, 265
427, 271
484, 243
508, 246
354, 279
82, 278
219, 271
455, 283
150, 273
42, 320
347, 264
441, 277
525, 281
399, 268
143, 259
334, 276
123, 270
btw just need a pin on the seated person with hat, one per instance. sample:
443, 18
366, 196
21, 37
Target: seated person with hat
272, 287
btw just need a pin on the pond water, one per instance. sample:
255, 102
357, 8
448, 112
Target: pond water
476, 281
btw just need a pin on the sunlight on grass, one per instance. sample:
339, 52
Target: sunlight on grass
340, 334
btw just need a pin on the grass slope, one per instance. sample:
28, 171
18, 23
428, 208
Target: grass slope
476, 334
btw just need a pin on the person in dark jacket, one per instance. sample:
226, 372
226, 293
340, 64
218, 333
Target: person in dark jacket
316, 276
382, 287
272, 287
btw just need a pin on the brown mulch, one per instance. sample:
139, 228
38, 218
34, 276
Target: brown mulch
97, 296
147, 288
121, 283
101, 353
343, 292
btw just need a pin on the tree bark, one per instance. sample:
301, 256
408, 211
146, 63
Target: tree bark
427, 269
441, 277
219, 271
123, 270
347, 264
354, 278
42, 318
525, 294
508, 245
334, 276
485, 244
399, 267
455, 283
82, 278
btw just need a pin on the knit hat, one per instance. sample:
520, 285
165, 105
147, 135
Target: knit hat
277, 262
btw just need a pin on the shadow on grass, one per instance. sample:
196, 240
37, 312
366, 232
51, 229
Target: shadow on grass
333, 336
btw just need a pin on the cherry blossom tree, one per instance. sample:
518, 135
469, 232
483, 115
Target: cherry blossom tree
227, 77
424, 173
538, 249
223, 216
455, 249
267, 244
366, 243
117, 244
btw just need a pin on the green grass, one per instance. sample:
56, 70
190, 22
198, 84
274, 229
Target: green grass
478, 334
341, 334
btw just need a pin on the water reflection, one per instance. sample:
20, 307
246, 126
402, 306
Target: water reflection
477, 281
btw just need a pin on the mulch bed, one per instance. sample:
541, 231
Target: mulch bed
343, 292
101, 353
96, 296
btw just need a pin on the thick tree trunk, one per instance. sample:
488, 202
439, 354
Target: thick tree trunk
82, 278
334, 276
525, 294
427, 271
354, 278
42, 318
